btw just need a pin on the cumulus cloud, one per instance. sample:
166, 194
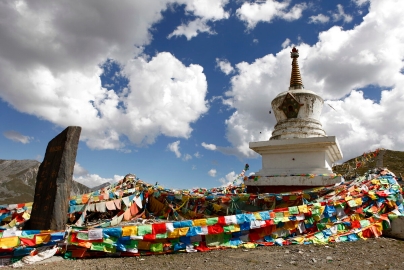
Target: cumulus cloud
204, 11
175, 148
62, 59
253, 13
320, 18
341, 15
212, 172
208, 9
228, 179
209, 146
197, 155
361, 2
285, 43
191, 29
17, 137
82, 176
187, 157
336, 67
79, 170
93, 180
224, 66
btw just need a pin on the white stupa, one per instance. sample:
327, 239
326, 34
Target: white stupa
299, 154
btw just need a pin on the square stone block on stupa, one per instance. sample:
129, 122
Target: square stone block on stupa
299, 155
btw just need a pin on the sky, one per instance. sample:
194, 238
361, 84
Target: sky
174, 90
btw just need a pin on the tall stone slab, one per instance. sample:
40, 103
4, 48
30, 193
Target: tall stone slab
54, 182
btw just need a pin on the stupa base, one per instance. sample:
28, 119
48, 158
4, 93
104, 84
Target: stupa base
281, 184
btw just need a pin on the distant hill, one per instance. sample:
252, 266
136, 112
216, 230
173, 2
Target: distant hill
393, 160
18, 179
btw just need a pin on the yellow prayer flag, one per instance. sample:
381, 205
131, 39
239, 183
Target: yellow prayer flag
303, 208
236, 228
199, 222
12, 223
129, 230
257, 216
26, 216
300, 240
9, 242
42, 238
183, 231
358, 201
174, 234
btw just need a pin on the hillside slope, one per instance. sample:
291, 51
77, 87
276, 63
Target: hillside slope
18, 179
393, 160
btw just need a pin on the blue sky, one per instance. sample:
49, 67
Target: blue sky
174, 90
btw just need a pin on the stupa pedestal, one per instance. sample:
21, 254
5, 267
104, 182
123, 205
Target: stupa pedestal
295, 164
299, 155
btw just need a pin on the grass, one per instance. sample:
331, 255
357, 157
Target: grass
393, 160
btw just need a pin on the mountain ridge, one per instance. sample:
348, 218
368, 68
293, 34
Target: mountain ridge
18, 179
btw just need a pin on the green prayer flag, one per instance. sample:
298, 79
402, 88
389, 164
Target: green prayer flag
144, 229
293, 210
212, 221
97, 246
156, 247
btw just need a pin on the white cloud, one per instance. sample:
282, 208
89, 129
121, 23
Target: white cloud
208, 9
285, 43
187, 157
79, 170
60, 79
82, 176
363, 125
93, 180
212, 172
208, 146
361, 2
204, 11
175, 148
253, 13
320, 18
197, 155
17, 137
229, 179
224, 66
255, 41
341, 15
192, 29
165, 104
340, 62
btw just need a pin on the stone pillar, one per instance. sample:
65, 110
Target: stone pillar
54, 182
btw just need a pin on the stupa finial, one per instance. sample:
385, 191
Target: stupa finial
295, 78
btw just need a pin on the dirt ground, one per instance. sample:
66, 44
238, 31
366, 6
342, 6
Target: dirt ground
381, 253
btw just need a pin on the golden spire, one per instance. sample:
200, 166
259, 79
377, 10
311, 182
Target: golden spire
295, 78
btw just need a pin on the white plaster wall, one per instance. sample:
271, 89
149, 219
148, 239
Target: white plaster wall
294, 160
312, 104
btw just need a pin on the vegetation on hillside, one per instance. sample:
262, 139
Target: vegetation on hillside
393, 160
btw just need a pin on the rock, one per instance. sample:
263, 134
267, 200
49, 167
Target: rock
54, 182
314, 260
